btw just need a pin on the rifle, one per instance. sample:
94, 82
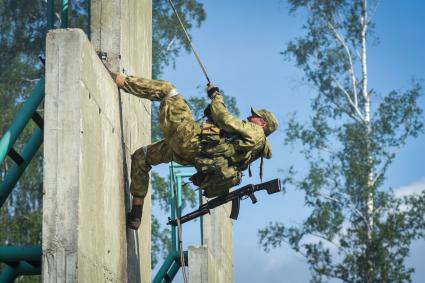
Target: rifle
272, 186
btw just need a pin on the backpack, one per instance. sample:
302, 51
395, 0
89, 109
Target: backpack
214, 175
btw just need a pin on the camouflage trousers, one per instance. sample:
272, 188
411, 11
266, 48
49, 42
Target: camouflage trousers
181, 133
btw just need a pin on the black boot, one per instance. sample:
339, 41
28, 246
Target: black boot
134, 217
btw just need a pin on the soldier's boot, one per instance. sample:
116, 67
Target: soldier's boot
134, 217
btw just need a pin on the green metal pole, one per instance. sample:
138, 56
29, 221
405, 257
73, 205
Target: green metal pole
27, 268
8, 274
16, 171
179, 195
201, 222
173, 211
18, 253
89, 20
172, 272
165, 267
50, 14
64, 13
12, 271
21, 120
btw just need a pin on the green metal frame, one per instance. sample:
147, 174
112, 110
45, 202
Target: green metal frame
170, 267
172, 263
25, 260
12, 134
22, 118
64, 13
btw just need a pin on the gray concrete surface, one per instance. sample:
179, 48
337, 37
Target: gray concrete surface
199, 264
90, 132
123, 29
213, 262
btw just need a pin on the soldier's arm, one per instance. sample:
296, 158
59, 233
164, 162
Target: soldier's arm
229, 123
154, 90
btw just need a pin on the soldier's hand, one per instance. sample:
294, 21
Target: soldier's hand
120, 80
212, 90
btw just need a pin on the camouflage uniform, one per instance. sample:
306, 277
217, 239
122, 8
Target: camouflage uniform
225, 154
181, 143
235, 143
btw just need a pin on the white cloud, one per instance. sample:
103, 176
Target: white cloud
413, 188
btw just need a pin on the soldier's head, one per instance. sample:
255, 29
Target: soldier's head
264, 119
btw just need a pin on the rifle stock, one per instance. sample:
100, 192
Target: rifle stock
272, 186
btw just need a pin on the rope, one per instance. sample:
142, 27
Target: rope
179, 227
190, 41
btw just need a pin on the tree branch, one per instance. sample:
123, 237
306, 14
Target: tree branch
351, 206
347, 51
352, 103
350, 59
333, 102
329, 241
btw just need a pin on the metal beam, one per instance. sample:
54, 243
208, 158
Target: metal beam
50, 14
18, 253
172, 272
12, 271
24, 115
165, 267
64, 13
13, 174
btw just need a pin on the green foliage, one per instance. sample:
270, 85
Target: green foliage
168, 37
21, 41
161, 241
357, 230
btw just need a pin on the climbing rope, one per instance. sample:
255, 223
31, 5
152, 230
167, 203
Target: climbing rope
179, 227
190, 41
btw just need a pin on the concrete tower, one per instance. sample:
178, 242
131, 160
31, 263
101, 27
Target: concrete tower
90, 131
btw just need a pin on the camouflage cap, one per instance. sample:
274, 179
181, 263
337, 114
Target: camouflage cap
268, 116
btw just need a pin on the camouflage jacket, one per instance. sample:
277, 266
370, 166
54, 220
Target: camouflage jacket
248, 139
228, 146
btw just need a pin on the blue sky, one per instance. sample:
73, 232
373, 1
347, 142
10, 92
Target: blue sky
240, 44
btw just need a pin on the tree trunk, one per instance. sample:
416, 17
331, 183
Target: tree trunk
367, 102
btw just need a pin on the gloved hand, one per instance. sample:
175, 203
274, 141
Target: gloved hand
212, 90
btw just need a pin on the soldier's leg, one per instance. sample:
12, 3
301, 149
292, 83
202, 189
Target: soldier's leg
142, 161
154, 90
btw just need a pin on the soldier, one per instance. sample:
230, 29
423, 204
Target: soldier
220, 149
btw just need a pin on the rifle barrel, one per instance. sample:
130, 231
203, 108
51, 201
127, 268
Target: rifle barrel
272, 186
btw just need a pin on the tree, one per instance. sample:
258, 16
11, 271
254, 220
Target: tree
21, 41
357, 230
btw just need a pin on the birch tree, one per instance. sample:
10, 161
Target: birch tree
357, 230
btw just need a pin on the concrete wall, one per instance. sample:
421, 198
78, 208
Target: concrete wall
213, 262
90, 131
123, 29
